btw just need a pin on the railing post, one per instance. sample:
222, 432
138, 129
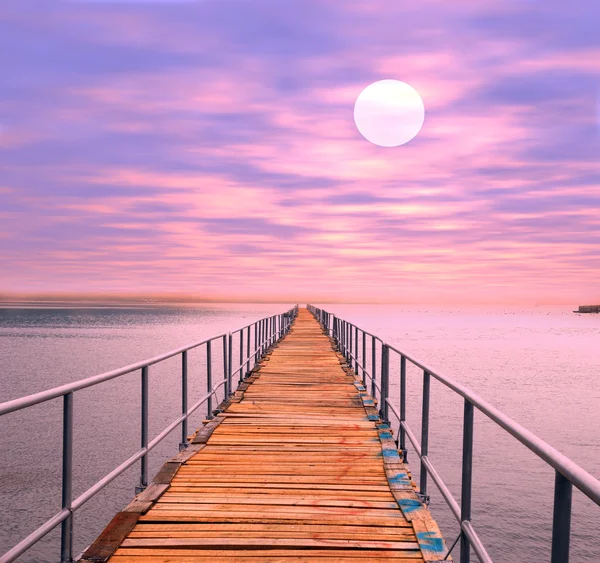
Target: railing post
334, 327
402, 432
248, 352
424, 432
227, 364
209, 414
184, 400
258, 329
385, 384
347, 342
255, 342
561, 523
356, 350
144, 432
467, 477
225, 390
364, 357
241, 374
373, 366
258, 339
66, 536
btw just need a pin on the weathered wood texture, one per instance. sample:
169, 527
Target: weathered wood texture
295, 469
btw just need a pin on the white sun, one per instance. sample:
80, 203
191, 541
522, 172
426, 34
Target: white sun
389, 113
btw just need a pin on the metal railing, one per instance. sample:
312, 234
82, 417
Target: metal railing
567, 473
266, 332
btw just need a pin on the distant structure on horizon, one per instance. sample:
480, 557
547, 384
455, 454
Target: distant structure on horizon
588, 309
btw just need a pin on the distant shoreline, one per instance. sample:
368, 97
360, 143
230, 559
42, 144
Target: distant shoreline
71, 305
116, 304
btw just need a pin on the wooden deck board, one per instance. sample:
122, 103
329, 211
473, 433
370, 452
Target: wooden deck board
294, 471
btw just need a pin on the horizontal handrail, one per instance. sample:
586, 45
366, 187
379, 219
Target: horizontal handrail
583, 480
568, 473
267, 331
49, 394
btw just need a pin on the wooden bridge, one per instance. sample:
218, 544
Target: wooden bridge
296, 466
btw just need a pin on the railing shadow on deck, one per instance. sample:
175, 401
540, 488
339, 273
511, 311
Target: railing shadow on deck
266, 332
352, 340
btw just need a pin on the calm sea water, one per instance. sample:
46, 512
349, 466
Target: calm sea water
540, 366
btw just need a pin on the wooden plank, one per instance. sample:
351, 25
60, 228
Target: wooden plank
403, 534
219, 543
166, 473
411, 505
195, 509
111, 538
270, 555
305, 491
430, 540
147, 498
267, 529
186, 454
246, 557
251, 517
262, 500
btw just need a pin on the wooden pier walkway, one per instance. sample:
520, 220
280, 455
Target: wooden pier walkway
297, 467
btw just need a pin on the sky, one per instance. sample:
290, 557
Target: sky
208, 149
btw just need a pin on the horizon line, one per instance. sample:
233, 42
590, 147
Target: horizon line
10, 298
